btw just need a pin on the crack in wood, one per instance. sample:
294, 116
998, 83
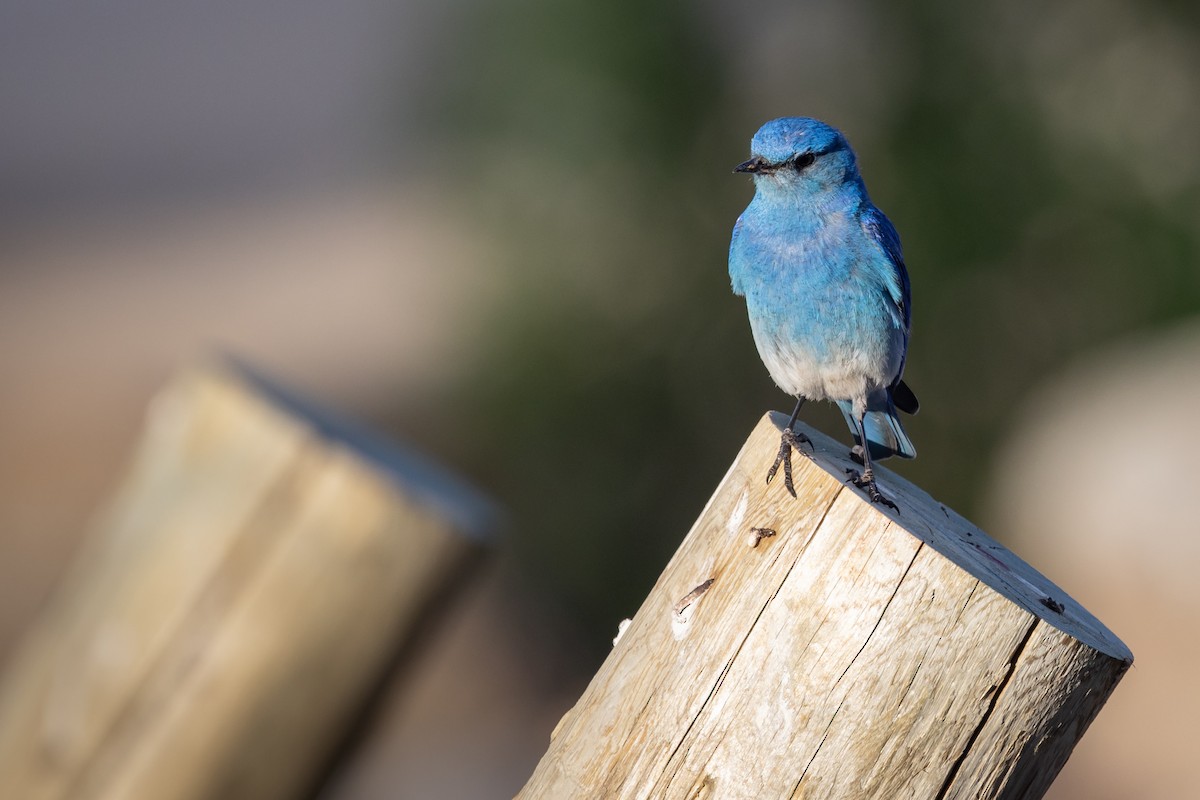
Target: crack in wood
874, 628
882, 613
999, 690
749, 631
820, 744
779, 551
700, 711
637, 719
792, 567
821, 522
911, 681
966, 602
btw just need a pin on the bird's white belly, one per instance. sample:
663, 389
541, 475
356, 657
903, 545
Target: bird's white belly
842, 373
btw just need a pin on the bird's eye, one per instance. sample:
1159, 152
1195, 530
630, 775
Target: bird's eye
804, 161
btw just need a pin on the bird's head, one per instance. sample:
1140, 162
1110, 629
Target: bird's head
800, 154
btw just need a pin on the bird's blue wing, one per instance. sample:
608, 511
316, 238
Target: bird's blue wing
735, 265
880, 229
882, 232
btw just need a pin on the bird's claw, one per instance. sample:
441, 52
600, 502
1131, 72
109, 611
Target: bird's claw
790, 440
866, 482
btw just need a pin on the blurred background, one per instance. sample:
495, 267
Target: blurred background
498, 231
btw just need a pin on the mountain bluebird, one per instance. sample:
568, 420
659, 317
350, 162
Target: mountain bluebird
826, 290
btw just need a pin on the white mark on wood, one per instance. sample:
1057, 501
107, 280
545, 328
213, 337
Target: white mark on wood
739, 513
622, 626
679, 622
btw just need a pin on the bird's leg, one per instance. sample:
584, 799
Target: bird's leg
787, 442
866, 479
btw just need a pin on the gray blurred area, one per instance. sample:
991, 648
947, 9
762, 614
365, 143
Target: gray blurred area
174, 181
498, 231
129, 103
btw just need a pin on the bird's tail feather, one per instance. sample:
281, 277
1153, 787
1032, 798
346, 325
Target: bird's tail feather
885, 434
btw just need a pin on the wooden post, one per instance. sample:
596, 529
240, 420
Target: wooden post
854, 653
258, 572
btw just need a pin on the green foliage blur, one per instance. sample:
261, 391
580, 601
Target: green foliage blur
594, 142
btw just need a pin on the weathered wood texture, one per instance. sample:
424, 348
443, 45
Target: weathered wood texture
258, 571
856, 653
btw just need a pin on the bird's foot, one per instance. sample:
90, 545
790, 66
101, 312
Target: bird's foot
866, 482
790, 440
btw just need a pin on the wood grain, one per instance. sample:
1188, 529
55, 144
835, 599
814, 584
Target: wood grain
858, 652
256, 573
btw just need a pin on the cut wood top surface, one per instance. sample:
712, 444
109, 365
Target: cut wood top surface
960, 541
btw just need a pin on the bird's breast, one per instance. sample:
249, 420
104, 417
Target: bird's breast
820, 318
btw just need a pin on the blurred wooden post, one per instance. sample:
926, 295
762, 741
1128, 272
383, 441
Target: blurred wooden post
254, 579
855, 653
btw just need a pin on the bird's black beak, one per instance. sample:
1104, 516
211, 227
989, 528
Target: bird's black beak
753, 166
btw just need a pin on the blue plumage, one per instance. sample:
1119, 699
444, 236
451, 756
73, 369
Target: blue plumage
826, 289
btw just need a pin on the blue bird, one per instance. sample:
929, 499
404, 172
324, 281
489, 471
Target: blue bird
826, 290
